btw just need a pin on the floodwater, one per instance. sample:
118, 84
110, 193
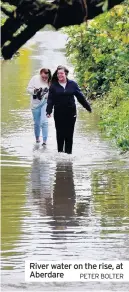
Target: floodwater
57, 206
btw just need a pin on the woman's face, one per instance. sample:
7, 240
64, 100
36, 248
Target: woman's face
44, 76
61, 75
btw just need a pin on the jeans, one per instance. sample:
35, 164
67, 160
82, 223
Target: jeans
40, 121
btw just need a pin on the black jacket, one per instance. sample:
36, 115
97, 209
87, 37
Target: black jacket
63, 99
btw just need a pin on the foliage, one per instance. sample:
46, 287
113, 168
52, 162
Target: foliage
99, 51
114, 112
34, 15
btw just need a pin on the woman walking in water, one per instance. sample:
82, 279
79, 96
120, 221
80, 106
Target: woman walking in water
61, 97
38, 88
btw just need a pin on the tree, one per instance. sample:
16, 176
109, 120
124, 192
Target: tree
26, 17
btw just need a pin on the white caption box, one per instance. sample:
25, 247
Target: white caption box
76, 271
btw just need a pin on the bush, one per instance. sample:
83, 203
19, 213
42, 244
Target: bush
99, 52
100, 49
114, 112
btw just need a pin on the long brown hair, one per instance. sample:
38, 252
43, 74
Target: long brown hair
47, 71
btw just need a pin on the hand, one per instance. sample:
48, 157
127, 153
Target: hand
35, 90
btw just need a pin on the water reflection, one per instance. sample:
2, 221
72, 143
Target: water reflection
41, 186
60, 206
64, 199
110, 189
13, 200
54, 199
64, 192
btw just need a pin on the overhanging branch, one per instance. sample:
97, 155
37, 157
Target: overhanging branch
36, 15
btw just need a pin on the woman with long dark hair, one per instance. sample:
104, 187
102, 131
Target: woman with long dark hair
38, 88
61, 97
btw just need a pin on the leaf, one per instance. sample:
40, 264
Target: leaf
105, 6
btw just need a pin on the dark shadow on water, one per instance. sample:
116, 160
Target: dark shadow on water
64, 199
64, 196
54, 193
55, 198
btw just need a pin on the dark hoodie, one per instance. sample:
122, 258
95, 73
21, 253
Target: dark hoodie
63, 99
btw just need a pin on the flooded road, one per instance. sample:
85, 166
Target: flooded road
56, 206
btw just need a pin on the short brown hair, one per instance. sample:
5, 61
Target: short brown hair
54, 77
63, 68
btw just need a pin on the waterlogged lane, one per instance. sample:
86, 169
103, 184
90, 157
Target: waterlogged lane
57, 207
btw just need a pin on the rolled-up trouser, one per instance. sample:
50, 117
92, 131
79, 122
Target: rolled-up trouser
64, 123
40, 121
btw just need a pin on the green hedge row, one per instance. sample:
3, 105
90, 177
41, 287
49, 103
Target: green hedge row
99, 51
